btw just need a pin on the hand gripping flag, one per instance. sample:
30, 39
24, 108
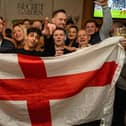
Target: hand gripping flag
59, 91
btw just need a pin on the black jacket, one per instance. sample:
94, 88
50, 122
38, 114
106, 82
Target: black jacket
7, 44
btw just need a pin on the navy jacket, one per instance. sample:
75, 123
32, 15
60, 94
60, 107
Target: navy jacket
7, 44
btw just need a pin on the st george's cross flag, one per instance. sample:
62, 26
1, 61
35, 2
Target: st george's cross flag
59, 91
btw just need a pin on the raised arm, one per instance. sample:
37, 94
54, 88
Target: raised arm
107, 19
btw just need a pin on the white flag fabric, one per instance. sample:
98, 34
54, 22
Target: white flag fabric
67, 90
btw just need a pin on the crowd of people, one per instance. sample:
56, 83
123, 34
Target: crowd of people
60, 36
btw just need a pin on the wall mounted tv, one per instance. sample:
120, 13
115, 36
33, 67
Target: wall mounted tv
118, 9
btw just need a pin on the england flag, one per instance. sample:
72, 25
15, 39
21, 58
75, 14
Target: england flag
67, 90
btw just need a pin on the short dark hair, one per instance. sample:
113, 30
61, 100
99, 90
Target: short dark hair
91, 21
58, 11
36, 30
69, 21
26, 19
59, 28
8, 32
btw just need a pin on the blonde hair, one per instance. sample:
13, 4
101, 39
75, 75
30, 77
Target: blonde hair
25, 33
22, 27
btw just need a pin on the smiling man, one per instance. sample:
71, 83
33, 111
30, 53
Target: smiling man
32, 39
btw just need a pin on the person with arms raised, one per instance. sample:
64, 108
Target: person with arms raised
92, 28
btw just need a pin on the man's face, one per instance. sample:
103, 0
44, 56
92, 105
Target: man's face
27, 24
37, 24
90, 28
59, 20
1, 25
32, 40
59, 37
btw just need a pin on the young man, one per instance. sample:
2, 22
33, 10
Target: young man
58, 20
32, 39
92, 28
5, 43
59, 41
37, 24
27, 23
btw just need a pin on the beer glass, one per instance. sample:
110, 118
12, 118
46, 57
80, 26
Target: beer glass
121, 32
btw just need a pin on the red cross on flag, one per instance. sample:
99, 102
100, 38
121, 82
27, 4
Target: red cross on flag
59, 91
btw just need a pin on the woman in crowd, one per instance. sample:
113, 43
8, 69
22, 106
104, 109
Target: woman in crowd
71, 41
19, 34
83, 38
